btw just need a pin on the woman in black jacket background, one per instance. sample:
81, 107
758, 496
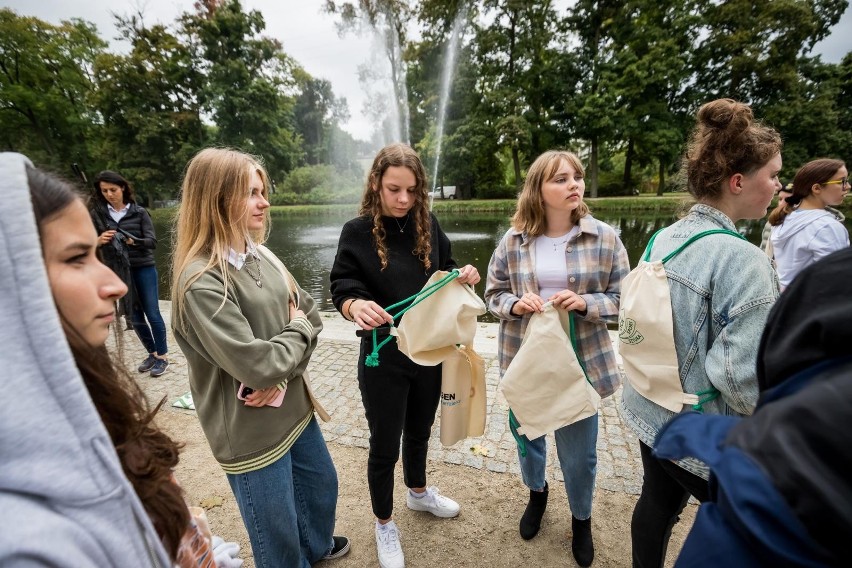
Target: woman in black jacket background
127, 242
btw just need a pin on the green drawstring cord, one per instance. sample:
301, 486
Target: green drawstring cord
519, 439
372, 360
709, 394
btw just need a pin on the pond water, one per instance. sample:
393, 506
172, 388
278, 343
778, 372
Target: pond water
307, 243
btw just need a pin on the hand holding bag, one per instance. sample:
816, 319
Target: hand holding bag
430, 331
545, 384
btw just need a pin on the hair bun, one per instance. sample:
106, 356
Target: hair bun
725, 114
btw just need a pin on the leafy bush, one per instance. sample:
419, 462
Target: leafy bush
318, 185
302, 180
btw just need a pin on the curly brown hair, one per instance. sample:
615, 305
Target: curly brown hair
727, 140
398, 155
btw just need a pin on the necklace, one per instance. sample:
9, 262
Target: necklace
251, 259
403, 225
556, 245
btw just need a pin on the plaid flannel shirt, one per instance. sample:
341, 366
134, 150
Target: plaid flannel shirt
597, 262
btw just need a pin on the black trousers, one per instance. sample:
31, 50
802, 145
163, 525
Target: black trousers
666, 488
400, 399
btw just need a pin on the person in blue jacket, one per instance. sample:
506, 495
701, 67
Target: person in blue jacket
781, 479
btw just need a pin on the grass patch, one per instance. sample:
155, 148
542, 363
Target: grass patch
641, 204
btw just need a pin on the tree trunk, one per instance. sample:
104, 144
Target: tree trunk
516, 162
626, 184
662, 185
593, 169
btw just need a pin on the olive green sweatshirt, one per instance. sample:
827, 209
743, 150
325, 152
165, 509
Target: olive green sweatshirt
247, 339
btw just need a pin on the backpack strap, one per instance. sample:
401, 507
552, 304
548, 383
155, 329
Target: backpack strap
646, 256
697, 236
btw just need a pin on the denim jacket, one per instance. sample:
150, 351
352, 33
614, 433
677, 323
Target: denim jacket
722, 289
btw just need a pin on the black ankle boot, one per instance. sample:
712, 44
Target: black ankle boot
531, 520
581, 543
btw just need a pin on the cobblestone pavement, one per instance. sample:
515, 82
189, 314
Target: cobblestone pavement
333, 376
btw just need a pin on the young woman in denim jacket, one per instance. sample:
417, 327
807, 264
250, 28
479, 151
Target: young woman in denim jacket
722, 289
557, 252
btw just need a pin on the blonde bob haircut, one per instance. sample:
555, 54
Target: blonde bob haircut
529, 215
212, 215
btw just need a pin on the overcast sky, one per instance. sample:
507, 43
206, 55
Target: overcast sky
308, 35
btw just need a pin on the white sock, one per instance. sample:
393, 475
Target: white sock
416, 495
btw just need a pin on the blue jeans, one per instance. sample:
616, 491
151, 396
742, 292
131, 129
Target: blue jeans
288, 507
578, 458
147, 305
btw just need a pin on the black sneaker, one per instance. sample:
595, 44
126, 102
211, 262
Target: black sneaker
147, 364
340, 548
159, 367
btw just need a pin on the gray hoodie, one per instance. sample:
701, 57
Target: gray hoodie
64, 500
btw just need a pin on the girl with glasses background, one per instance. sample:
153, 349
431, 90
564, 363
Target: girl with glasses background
807, 228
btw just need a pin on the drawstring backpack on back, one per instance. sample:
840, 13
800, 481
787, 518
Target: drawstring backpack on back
646, 332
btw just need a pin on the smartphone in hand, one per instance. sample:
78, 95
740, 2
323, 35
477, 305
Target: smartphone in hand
246, 390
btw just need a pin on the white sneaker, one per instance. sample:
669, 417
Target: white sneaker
433, 502
389, 546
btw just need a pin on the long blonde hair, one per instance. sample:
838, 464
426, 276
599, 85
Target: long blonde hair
529, 214
211, 216
399, 155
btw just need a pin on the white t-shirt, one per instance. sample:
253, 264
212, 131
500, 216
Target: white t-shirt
803, 238
551, 270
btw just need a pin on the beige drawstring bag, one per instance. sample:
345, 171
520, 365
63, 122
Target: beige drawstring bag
646, 332
462, 396
431, 329
294, 297
545, 385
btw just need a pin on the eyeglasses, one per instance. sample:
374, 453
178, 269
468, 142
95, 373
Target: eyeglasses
842, 181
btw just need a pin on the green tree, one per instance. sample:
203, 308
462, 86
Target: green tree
750, 51
651, 70
316, 112
519, 62
813, 116
45, 83
148, 101
593, 110
250, 83
390, 19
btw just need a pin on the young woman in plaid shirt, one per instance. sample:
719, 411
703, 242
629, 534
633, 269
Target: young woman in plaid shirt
557, 252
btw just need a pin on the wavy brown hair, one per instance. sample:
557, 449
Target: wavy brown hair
211, 216
727, 140
399, 155
147, 454
815, 172
529, 214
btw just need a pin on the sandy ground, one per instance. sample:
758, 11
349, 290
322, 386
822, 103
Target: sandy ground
484, 535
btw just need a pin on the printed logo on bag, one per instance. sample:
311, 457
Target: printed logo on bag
449, 399
627, 331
